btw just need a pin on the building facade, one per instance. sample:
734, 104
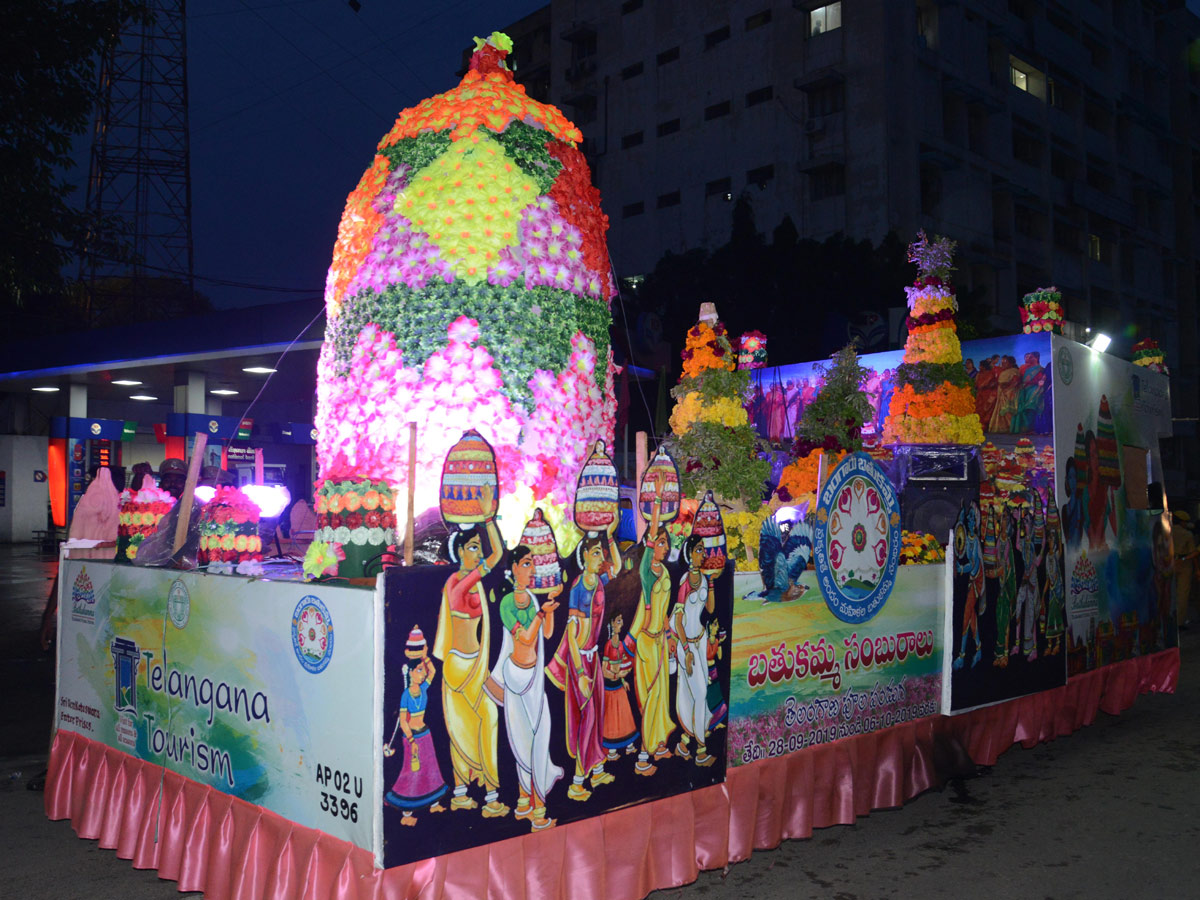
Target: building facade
1057, 143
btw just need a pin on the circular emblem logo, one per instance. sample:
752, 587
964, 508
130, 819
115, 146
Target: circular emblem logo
857, 539
95, 428
179, 604
1066, 365
313, 434
213, 426
312, 634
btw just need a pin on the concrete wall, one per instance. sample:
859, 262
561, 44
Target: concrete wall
24, 509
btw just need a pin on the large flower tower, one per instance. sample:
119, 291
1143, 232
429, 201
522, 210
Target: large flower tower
470, 288
714, 442
934, 402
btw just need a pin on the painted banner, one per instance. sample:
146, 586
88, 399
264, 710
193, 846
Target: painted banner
507, 711
1108, 417
263, 690
801, 675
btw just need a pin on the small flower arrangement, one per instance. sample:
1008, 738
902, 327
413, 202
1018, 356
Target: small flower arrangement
354, 512
1042, 311
1148, 355
917, 549
139, 516
229, 529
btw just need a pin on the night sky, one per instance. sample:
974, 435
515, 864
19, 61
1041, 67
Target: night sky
287, 102
288, 99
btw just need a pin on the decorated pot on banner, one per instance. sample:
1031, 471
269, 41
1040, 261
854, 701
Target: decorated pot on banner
1106, 445
709, 526
663, 465
752, 350
538, 537
596, 494
469, 465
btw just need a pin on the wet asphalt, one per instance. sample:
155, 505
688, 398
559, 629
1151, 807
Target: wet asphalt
1112, 811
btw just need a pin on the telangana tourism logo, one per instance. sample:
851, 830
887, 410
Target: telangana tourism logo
83, 599
312, 634
857, 539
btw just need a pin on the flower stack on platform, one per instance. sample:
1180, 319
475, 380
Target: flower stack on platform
934, 402
356, 522
713, 438
1042, 311
1148, 355
229, 531
469, 288
139, 517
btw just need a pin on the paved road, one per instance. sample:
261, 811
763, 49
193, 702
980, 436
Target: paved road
1111, 812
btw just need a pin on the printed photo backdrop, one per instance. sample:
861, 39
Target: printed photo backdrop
1108, 418
1012, 378
259, 689
467, 736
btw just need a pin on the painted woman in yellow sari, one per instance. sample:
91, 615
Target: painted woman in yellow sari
462, 644
649, 636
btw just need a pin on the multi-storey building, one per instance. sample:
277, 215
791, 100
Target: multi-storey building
1058, 143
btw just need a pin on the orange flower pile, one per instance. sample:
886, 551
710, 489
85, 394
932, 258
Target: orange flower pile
707, 348
944, 400
800, 477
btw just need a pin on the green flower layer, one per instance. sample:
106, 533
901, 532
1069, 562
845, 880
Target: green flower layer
524, 330
417, 152
924, 377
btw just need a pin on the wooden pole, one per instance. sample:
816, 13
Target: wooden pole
412, 493
639, 468
188, 497
820, 474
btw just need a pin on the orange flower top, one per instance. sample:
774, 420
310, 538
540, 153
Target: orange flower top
488, 97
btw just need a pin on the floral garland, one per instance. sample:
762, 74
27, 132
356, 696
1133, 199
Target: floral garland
934, 402
139, 516
1042, 311
469, 288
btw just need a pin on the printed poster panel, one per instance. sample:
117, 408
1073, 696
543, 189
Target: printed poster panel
802, 676
1012, 377
1007, 627
1108, 417
500, 720
263, 690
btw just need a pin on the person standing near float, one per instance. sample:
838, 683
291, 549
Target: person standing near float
576, 670
520, 671
420, 783
691, 653
649, 637
462, 644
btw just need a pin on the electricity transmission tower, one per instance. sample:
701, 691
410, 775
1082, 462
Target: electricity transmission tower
139, 176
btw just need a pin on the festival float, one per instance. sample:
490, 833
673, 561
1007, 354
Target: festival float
957, 549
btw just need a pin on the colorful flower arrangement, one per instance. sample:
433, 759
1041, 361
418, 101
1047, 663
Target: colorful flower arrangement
355, 512
139, 516
917, 549
799, 478
934, 402
1042, 311
469, 287
752, 350
714, 443
229, 529
1148, 355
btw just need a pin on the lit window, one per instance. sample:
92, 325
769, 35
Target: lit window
1019, 78
1027, 78
824, 18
